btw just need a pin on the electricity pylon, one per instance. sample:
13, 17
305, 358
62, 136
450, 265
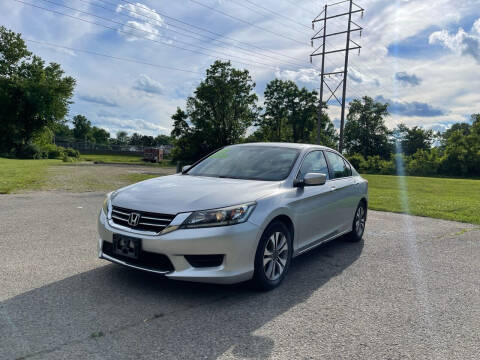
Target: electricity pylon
353, 9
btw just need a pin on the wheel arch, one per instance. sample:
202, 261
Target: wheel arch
285, 219
364, 201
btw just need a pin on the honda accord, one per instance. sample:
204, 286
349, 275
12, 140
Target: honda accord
239, 214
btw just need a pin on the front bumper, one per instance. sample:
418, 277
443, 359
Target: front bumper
238, 244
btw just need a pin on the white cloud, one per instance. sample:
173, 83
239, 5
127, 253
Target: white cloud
361, 77
461, 43
476, 26
146, 84
131, 125
141, 11
308, 76
137, 30
146, 27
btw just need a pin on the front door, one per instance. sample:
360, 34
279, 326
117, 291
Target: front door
314, 205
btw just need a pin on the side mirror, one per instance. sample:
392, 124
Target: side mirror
311, 179
186, 168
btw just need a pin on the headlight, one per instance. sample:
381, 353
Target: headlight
219, 217
106, 204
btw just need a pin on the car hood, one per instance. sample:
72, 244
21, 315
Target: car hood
184, 193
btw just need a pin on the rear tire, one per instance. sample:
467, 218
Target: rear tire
358, 225
273, 256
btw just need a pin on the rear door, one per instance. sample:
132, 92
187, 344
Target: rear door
342, 184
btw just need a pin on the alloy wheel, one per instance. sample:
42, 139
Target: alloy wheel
360, 221
275, 256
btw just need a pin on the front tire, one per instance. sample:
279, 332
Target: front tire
358, 226
273, 256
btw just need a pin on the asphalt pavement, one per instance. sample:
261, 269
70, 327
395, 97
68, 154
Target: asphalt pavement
411, 290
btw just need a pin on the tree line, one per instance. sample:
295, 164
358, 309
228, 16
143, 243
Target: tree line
83, 130
224, 107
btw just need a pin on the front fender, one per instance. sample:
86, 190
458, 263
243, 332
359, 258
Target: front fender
264, 215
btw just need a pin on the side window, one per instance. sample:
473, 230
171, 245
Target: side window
338, 166
313, 162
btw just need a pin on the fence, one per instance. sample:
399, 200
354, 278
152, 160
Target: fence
88, 147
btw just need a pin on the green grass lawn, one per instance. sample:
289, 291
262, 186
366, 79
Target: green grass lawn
17, 175
121, 159
451, 199
110, 158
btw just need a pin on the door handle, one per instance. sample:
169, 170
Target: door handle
333, 188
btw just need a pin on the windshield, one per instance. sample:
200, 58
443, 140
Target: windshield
248, 162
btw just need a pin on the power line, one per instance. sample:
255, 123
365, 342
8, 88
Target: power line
199, 28
246, 22
272, 12
294, 3
243, 50
112, 56
148, 32
129, 33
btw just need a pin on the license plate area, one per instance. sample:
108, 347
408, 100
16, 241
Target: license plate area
126, 246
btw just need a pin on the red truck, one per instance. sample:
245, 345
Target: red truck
153, 154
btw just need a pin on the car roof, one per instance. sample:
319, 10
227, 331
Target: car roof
287, 145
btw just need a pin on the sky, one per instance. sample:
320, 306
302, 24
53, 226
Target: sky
136, 62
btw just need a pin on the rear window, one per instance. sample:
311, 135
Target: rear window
338, 167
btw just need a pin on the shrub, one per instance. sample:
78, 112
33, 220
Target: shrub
42, 137
30, 151
358, 162
53, 151
373, 164
72, 152
424, 163
67, 158
387, 167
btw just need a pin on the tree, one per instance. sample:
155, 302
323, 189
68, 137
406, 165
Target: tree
219, 113
100, 136
462, 150
122, 138
135, 139
32, 95
291, 115
182, 136
328, 136
273, 122
413, 139
62, 131
147, 140
365, 130
82, 128
463, 128
163, 140
180, 124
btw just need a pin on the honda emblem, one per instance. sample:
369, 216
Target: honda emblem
134, 219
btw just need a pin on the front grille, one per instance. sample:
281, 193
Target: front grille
148, 221
145, 259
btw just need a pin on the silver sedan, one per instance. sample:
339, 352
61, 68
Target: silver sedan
239, 214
